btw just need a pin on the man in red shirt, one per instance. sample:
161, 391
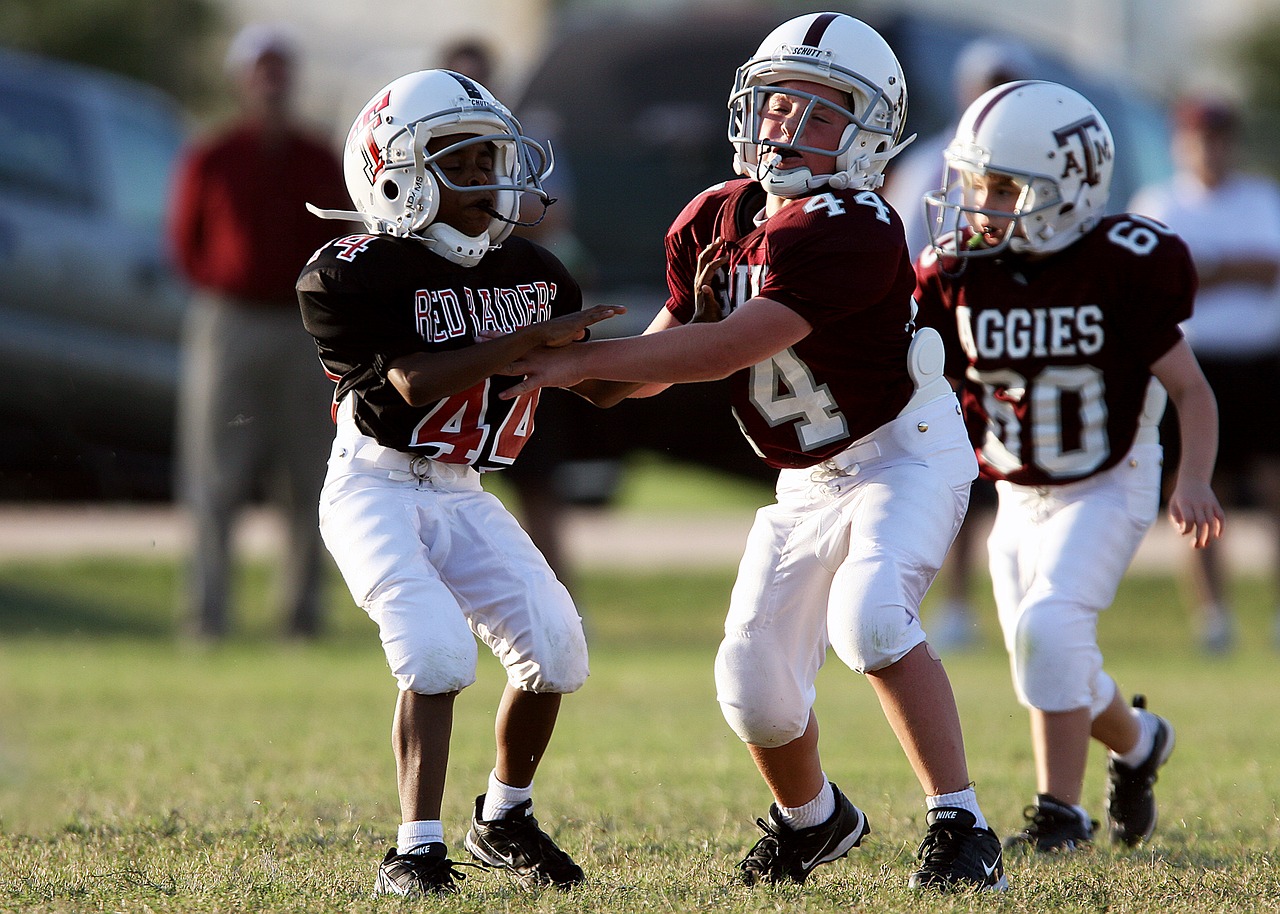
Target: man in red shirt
253, 410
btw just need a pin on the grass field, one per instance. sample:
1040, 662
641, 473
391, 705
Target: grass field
138, 774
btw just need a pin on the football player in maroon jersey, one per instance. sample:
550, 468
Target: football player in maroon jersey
1062, 325
412, 319
795, 283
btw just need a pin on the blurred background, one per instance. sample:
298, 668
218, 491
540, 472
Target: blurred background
97, 99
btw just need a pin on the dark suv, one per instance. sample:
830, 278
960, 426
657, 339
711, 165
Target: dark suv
90, 307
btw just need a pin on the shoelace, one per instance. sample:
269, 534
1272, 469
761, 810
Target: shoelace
940, 847
436, 871
766, 850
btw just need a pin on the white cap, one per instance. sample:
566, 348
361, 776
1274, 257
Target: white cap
255, 40
986, 62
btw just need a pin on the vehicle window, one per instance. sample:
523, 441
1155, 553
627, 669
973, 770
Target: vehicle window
38, 147
143, 144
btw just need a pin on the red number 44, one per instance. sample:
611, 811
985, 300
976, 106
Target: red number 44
459, 432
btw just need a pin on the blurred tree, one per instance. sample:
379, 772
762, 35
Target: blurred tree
1258, 56
162, 42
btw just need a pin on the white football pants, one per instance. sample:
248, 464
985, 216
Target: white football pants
1057, 554
843, 559
433, 559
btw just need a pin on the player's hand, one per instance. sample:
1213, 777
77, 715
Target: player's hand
568, 328
545, 367
1195, 512
706, 307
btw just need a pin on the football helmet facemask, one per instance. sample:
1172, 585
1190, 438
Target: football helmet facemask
395, 182
1048, 144
834, 50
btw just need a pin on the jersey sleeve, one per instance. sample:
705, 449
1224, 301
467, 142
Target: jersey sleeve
691, 231
568, 297
339, 294
1160, 287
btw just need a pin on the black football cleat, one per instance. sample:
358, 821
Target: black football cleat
785, 854
516, 844
419, 874
1052, 827
957, 855
1131, 803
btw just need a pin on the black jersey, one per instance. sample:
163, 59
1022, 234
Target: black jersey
370, 299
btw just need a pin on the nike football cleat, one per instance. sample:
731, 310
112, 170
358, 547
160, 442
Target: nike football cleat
1051, 827
1131, 803
956, 854
785, 854
515, 843
421, 874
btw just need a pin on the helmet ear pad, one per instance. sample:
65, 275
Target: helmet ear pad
418, 207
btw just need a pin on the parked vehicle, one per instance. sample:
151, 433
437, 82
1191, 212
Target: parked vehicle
90, 307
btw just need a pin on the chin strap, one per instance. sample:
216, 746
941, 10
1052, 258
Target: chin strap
861, 167
455, 247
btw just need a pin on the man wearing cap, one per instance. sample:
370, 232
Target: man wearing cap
1230, 220
253, 410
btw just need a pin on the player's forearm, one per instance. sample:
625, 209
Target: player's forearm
608, 393
1197, 413
681, 355
422, 378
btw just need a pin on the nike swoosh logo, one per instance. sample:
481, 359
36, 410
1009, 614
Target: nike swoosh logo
992, 868
817, 858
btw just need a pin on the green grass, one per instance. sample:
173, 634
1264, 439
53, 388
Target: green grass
139, 774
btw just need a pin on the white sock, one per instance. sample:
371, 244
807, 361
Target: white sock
815, 812
1146, 741
413, 837
501, 798
966, 799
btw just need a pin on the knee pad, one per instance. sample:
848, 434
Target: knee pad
563, 674
433, 669
874, 620
428, 653
1056, 663
765, 705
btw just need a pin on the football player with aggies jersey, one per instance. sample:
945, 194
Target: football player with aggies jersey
412, 320
795, 283
1063, 325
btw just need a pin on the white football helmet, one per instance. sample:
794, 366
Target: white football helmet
834, 50
1057, 148
395, 183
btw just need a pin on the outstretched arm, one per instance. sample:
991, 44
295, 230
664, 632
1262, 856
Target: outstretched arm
424, 377
692, 352
707, 310
1193, 508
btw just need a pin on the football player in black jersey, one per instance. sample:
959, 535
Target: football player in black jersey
411, 319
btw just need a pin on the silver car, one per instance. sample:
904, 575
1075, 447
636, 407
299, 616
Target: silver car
90, 306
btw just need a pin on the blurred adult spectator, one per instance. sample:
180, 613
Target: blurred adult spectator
253, 412
982, 64
1230, 220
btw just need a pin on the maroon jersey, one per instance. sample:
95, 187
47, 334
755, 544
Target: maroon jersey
369, 299
839, 260
1056, 353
